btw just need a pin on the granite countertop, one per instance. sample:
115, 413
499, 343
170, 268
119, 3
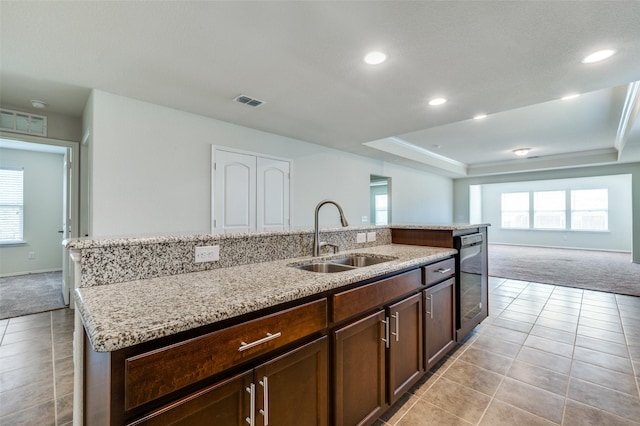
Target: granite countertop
120, 315
449, 227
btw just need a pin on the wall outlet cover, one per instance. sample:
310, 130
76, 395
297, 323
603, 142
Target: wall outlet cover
371, 236
361, 237
207, 254
364, 219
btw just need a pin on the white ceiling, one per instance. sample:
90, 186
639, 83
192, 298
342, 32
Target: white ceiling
511, 60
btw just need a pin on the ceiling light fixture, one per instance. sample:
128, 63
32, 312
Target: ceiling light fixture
38, 104
375, 58
521, 152
568, 97
437, 101
480, 116
598, 56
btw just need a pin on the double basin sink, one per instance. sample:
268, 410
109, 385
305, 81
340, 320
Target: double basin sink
342, 263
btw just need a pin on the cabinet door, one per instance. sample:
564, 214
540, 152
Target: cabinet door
223, 404
293, 389
405, 345
359, 368
440, 332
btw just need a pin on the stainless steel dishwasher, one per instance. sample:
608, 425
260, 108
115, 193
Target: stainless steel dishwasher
472, 281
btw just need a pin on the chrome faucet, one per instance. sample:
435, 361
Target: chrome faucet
316, 235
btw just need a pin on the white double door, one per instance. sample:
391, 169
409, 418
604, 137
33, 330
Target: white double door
250, 192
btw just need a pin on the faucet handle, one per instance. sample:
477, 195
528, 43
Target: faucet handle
335, 247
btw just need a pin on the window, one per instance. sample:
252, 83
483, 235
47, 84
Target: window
549, 210
11, 205
576, 209
590, 209
381, 209
515, 210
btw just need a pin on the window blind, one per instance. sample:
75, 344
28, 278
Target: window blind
11, 205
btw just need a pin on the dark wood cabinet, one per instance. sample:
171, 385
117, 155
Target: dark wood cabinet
292, 389
405, 345
359, 371
439, 315
288, 390
226, 403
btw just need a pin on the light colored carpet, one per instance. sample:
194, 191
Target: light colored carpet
30, 294
594, 270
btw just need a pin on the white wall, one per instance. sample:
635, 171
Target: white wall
151, 172
617, 238
419, 197
43, 176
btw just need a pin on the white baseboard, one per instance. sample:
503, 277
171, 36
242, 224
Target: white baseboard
16, 274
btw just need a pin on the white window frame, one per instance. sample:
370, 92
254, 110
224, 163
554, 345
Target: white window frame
7, 202
11, 125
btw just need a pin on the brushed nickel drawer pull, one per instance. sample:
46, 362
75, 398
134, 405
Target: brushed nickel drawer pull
244, 346
252, 391
397, 333
386, 338
265, 410
443, 271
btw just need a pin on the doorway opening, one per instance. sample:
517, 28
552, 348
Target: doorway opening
380, 190
34, 273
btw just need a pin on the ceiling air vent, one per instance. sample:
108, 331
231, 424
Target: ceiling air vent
252, 102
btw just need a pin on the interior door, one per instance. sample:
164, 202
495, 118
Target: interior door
66, 225
234, 199
272, 194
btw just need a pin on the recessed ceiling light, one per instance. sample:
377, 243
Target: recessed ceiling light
375, 58
437, 101
598, 56
521, 152
480, 116
38, 104
572, 96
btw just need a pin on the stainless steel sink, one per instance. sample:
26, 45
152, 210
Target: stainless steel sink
361, 260
342, 263
325, 267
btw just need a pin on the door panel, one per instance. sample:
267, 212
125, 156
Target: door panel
359, 364
234, 192
272, 194
405, 346
293, 389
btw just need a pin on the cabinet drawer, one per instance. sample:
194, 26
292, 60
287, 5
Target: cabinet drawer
439, 271
153, 374
359, 300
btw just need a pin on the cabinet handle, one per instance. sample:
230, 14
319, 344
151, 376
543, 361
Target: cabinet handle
244, 346
397, 318
443, 271
252, 391
430, 311
386, 331
265, 410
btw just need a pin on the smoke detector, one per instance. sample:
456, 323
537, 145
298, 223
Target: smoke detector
247, 100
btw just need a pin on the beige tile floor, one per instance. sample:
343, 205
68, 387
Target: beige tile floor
36, 369
546, 355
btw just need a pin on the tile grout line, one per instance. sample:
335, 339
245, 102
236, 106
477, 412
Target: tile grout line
626, 341
53, 364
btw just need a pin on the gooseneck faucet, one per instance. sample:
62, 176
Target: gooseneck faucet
316, 235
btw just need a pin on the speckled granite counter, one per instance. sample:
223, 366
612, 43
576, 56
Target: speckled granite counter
448, 227
124, 314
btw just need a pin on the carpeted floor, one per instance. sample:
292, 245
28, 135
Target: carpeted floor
594, 270
30, 294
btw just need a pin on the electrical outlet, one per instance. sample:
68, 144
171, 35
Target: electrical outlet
364, 219
207, 254
361, 237
31, 255
371, 236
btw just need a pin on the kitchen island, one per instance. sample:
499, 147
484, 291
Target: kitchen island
130, 326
